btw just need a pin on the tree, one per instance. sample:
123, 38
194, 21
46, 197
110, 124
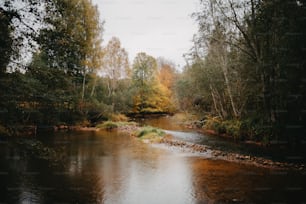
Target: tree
143, 77
60, 81
92, 49
166, 73
115, 66
72, 37
6, 41
72, 41
258, 47
19, 22
167, 76
151, 96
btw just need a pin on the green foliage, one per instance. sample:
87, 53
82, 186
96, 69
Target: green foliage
119, 118
62, 72
248, 129
6, 40
228, 127
17, 36
248, 68
109, 125
232, 127
211, 122
143, 78
150, 95
148, 129
150, 133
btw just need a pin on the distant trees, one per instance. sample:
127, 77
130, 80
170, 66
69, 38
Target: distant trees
144, 77
150, 95
70, 78
115, 63
167, 76
246, 68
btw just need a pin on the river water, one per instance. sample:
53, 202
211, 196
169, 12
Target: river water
112, 167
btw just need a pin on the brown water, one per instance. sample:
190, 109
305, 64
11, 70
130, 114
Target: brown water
108, 167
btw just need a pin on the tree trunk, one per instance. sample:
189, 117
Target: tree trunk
215, 102
228, 86
83, 85
93, 88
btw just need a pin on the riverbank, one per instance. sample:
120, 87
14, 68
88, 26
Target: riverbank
167, 141
210, 153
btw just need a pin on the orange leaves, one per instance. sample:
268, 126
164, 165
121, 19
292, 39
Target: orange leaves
153, 88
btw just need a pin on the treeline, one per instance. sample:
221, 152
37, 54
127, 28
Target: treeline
246, 71
245, 75
71, 77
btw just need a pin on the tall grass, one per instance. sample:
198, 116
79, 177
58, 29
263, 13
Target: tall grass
109, 125
150, 133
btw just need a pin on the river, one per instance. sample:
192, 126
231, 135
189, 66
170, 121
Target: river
112, 167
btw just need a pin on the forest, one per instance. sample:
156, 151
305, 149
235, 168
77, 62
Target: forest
244, 76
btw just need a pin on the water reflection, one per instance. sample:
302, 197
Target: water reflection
225, 182
115, 168
107, 167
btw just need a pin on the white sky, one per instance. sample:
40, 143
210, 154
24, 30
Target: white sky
161, 28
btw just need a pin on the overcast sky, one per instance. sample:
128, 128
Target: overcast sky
157, 27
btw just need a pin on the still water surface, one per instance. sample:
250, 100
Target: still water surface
111, 167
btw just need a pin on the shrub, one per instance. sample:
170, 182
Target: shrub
119, 118
108, 125
254, 129
232, 128
212, 123
219, 127
84, 123
112, 125
150, 133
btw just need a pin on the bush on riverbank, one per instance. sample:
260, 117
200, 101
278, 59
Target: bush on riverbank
150, 133
249, 129
109, 125
118, 118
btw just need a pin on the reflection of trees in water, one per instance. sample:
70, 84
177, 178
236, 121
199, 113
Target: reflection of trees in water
114, 168
220, 181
